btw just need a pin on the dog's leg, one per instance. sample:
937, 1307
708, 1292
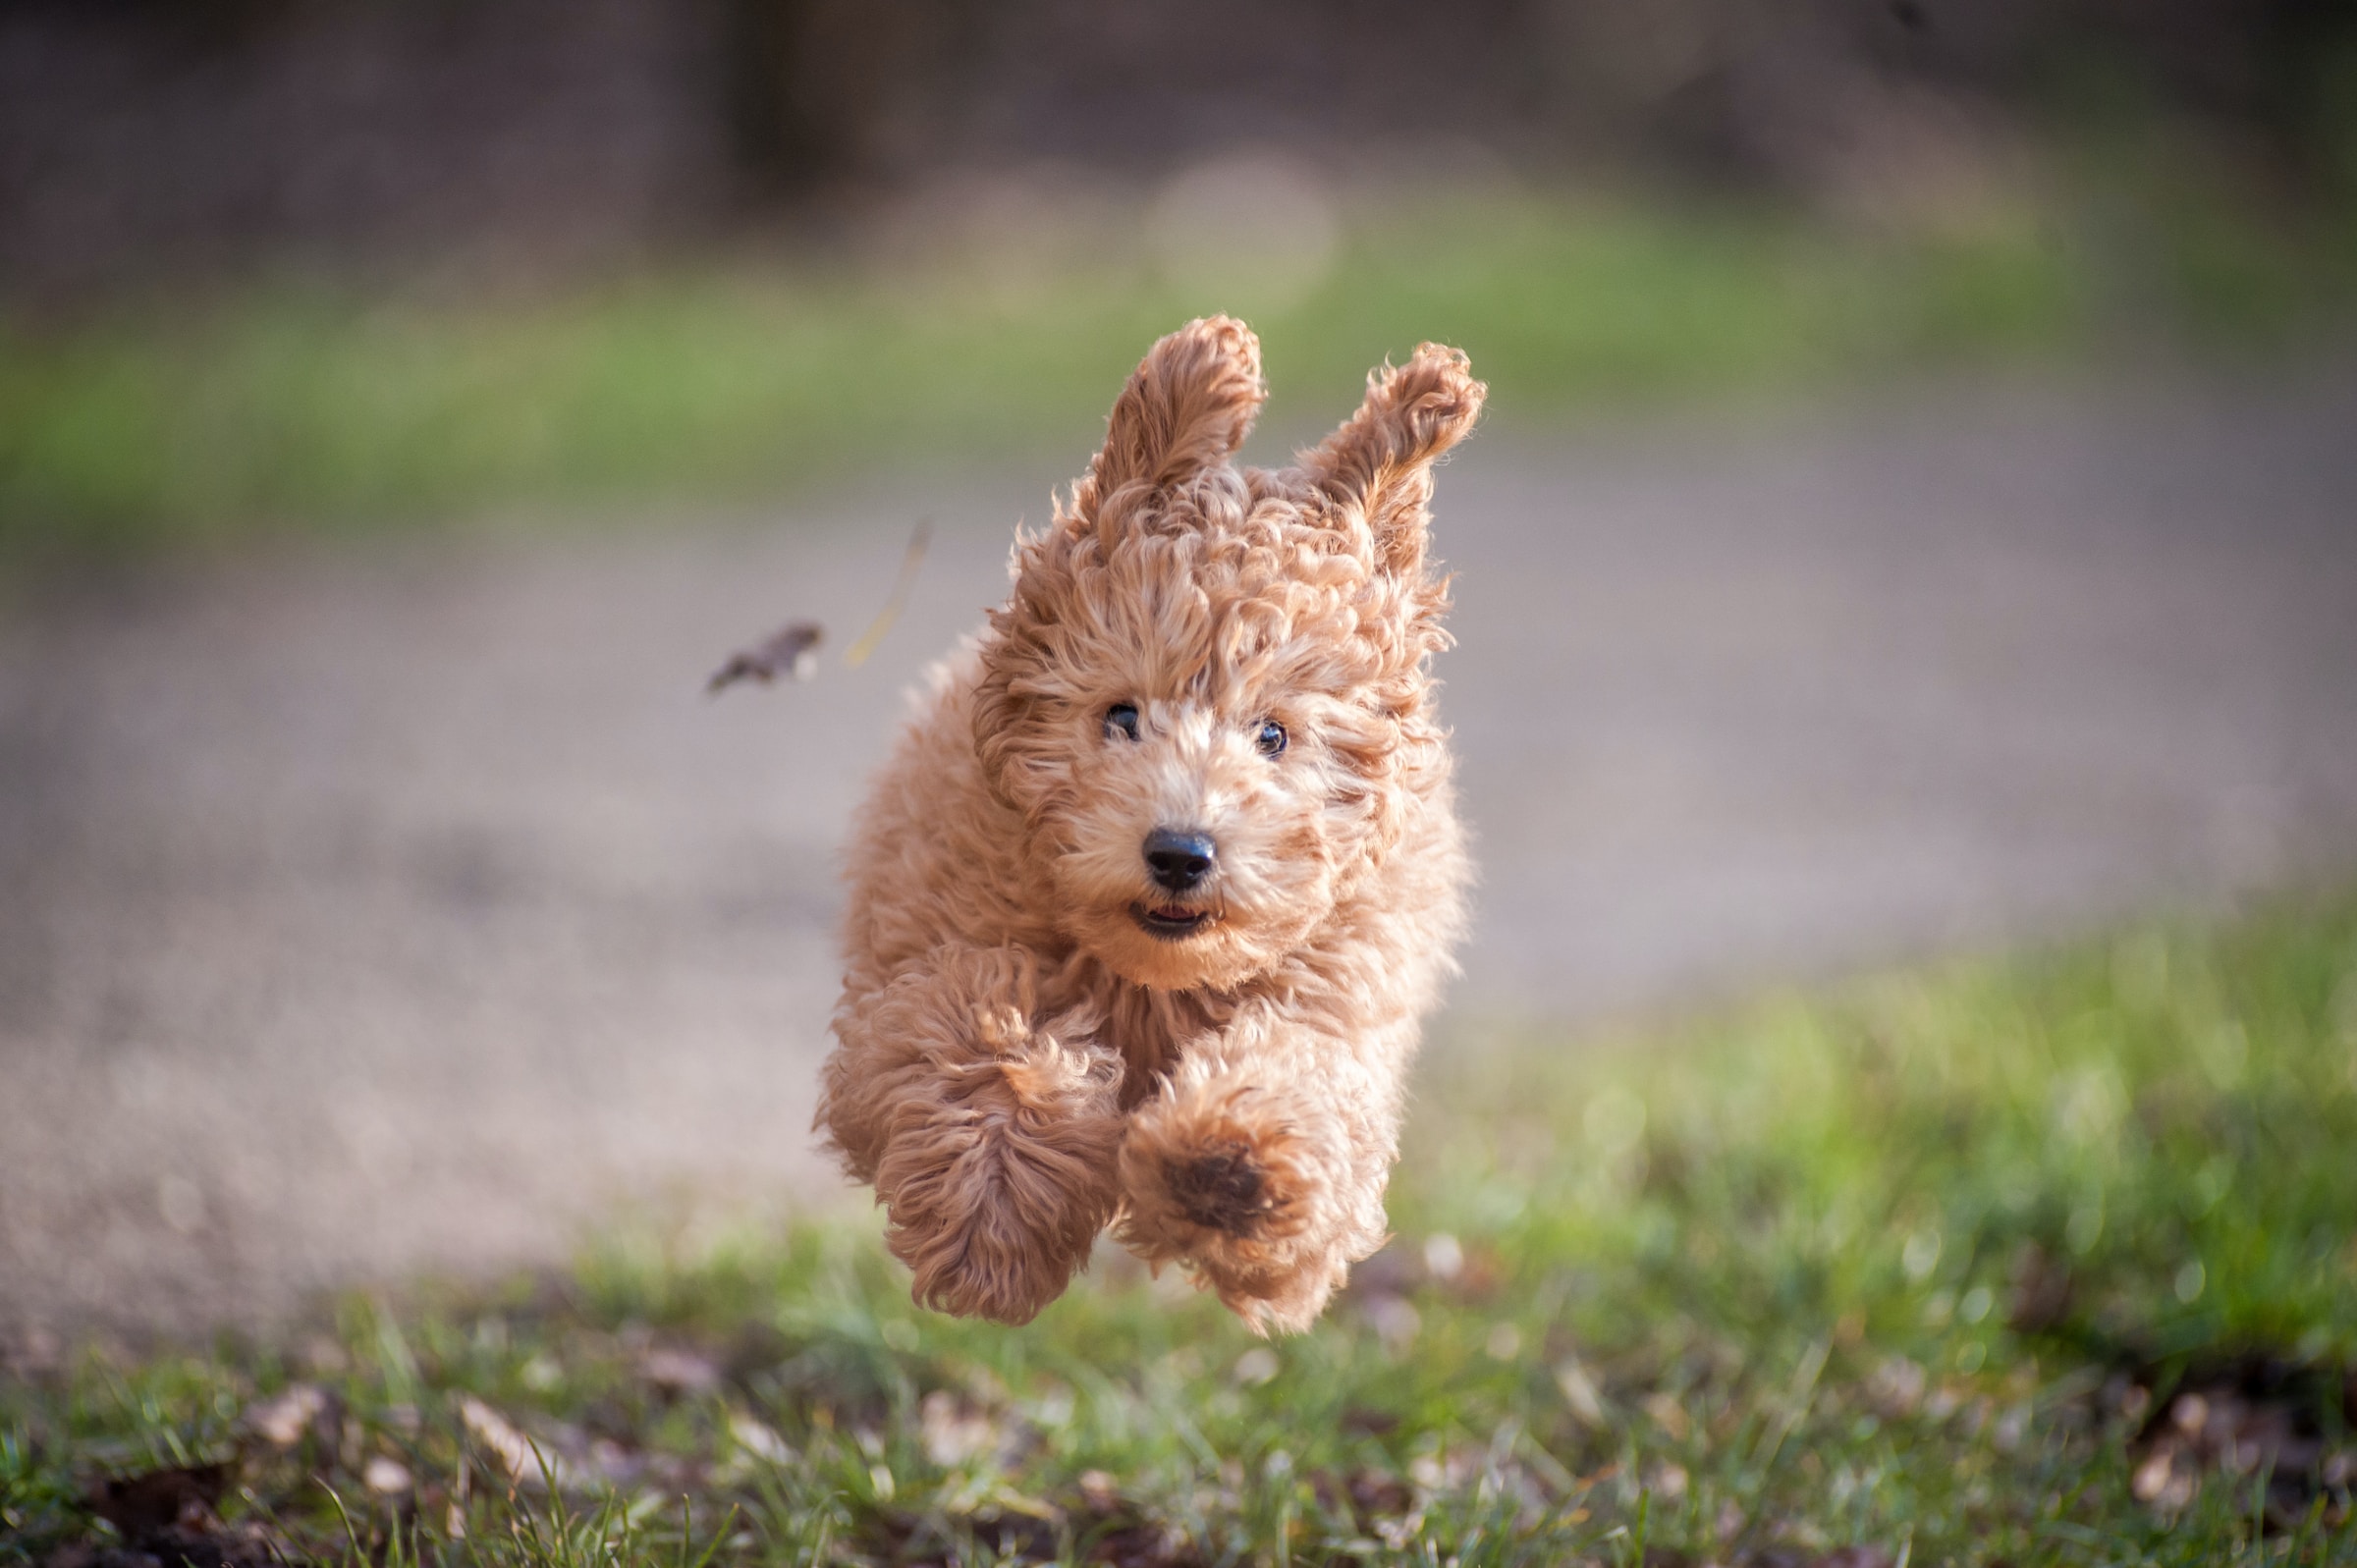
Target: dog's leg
991, 1135
1261, 1165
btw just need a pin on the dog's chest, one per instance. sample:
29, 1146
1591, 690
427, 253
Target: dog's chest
1150, 1028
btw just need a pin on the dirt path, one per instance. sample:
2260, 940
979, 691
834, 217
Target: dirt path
408, 906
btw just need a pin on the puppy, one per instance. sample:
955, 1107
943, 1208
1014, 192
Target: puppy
1153, 895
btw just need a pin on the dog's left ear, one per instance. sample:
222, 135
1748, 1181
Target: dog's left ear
1380, 462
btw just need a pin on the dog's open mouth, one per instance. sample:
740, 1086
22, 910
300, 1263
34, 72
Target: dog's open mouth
1168, 922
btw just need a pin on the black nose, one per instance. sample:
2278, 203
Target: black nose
1179, 859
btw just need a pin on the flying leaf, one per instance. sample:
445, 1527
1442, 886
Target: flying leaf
791, 651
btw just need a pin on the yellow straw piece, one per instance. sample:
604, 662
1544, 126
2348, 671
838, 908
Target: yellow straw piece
856, 654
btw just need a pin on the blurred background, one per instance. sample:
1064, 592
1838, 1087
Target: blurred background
1915, 516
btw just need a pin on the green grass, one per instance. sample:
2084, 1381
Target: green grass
312, 408
1935, 1267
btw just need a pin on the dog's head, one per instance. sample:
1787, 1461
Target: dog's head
1208, 693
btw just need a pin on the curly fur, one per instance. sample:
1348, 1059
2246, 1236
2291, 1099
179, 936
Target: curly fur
1020, 1061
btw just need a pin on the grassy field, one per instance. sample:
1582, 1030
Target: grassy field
2051, 1259
305, 406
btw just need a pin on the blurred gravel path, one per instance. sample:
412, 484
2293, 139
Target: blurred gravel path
408, 905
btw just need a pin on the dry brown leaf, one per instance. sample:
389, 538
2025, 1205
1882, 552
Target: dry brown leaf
283, 1419
954, 1431
386, 1476
791, 651
677, 1370
2237, 1421
160, 1500
526, 1464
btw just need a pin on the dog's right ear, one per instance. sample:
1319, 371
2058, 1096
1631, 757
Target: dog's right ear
1188, 405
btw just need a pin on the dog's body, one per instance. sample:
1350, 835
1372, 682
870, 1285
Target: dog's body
1150, 903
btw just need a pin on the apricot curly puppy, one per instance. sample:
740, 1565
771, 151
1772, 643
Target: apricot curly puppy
1150, 901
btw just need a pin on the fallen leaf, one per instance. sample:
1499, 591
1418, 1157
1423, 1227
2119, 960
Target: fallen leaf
141, 1505
2245, 1418
758, 1438
1099, 1492
678, 1372
283, 1419
1896, 1387
616, 1464
2160, 1483
954, 1431
525, 1463
1668, 1413
1579, 1392
1256, 1365
386, 1476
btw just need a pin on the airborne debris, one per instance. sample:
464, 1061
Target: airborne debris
911, 559
790, 651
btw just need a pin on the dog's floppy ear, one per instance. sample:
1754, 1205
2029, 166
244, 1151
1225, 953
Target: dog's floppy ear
1380, 462
1188, 404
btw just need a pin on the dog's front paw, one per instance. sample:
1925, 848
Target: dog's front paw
998, 1187
1220, 1187
1243, 1192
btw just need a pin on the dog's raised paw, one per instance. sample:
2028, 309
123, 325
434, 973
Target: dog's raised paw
1220, 1187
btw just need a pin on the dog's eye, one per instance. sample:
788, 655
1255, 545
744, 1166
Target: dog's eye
1271, 740
1122, 720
